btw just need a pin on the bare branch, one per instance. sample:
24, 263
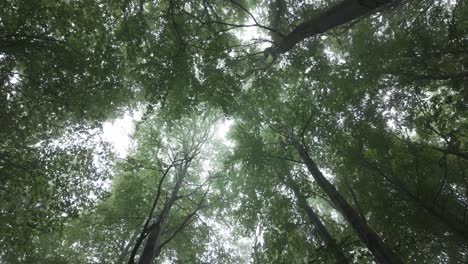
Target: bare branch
186, 220
255, 20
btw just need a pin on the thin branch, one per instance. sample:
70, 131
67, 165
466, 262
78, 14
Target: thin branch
287, 159
186, 220
47, 39
255, 20
442, 184
145, 230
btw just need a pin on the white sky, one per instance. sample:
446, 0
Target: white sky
119, 130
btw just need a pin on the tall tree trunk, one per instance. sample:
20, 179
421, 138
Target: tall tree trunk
337, 15
152, 247
449, 219
449, 150
322, 231
368, 236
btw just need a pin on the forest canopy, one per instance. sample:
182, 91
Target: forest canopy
271, 131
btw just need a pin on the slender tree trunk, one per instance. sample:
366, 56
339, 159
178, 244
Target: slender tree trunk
368, 236
448, 150
337, 15
450, 220
152, 247
322, 231
444, 76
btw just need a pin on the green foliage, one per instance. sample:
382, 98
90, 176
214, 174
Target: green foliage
379, 104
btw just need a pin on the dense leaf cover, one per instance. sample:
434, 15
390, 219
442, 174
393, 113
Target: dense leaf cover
348, 141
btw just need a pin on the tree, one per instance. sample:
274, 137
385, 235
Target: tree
262, 179
368, 236
415, 180
43, 186
315, 220
336, 15
374, 98
175, 152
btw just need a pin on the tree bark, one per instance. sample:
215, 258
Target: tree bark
368, 236
448, 150
337, 15
449, 219
152, 248
444, 76
322, 231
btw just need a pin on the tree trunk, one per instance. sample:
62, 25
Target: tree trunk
443, 76
449, 219
449, 150
368, 236
322, 231
337, 15
152, 247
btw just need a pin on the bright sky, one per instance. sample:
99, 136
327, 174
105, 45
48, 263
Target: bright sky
119, 130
